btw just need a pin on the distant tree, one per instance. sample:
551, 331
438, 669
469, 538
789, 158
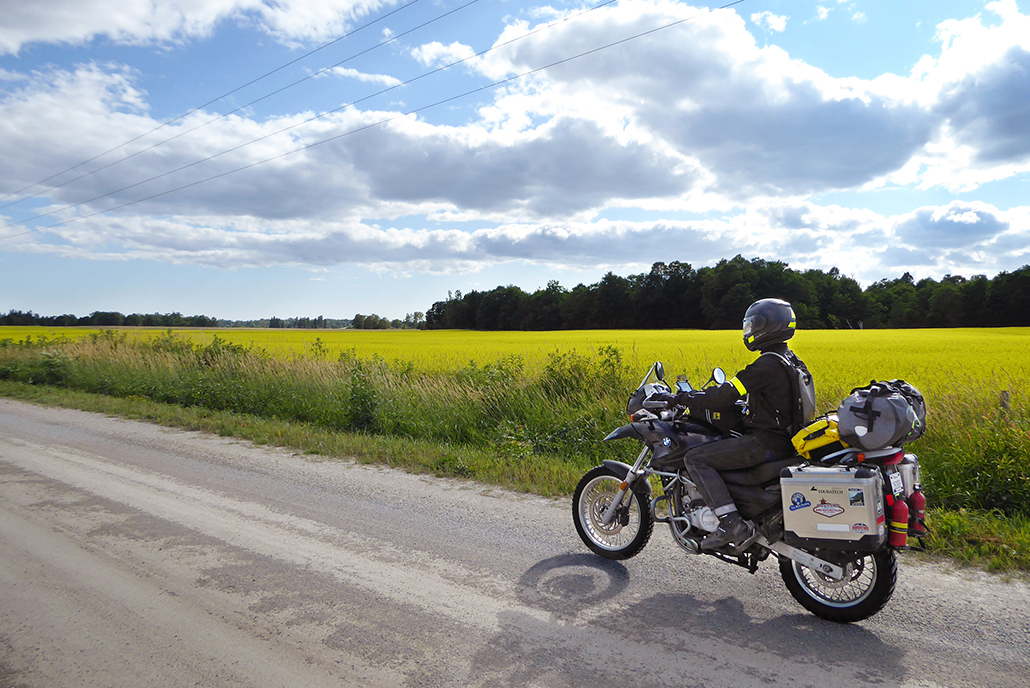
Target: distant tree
611, 304
502, 308
726, 293
893, 303
372, 322
669, 296
577, 308
17, 318
1007, 303
834, 300
676, 295
944, 307
416, 320
543, 309
106, 319
973, 293
436, 316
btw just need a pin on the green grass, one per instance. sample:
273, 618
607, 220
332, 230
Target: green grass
521, 472
986, 540
533, 421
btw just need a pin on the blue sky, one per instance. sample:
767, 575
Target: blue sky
249, 158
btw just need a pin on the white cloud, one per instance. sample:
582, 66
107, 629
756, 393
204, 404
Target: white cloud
770, 21
757, 121
299, 21
436, 53
54, 120
693, 119
960, 238
958, 225
140, 22
122, 21
384, 79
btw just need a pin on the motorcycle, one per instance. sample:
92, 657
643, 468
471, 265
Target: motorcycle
823, 515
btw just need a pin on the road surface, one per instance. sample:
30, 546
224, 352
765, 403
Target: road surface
133, 555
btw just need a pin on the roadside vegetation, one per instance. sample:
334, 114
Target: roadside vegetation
533, 421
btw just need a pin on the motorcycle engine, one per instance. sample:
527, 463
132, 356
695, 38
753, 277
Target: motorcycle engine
704, 518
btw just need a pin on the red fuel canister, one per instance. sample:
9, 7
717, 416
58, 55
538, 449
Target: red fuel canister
898, 530
917, 513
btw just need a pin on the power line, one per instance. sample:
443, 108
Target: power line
366, 127
221, 117
311, 119
191, 111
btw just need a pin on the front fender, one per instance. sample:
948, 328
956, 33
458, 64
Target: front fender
642, 485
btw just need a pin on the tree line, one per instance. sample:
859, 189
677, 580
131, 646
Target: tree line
319, 323
112, 319
412, 321
108, 319
675, 295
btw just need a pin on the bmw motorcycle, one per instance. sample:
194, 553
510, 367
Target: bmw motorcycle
833, 516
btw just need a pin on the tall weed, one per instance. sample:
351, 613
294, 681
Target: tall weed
974, 454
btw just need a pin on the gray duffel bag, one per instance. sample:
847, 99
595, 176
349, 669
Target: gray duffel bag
884, 414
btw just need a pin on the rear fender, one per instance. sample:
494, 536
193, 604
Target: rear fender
641, 485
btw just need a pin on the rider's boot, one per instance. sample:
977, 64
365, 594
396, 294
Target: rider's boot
732, 529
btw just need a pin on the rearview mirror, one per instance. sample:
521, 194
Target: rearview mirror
659, 370
719, 376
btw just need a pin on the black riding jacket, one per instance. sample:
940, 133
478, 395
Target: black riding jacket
766, 386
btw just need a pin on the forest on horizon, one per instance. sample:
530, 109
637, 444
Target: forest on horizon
670, 296
677, 296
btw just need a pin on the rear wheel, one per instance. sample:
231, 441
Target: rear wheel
631, 528
867, 585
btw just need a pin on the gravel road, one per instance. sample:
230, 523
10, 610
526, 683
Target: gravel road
133, 555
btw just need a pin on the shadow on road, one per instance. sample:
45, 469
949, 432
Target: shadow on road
566, 585
677, 632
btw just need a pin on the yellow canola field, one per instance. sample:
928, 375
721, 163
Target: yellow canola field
936, 360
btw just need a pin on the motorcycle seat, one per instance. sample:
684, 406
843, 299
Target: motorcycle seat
759, 475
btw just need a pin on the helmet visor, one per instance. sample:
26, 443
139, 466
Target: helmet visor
748, 325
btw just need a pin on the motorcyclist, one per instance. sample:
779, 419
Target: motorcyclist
766, 385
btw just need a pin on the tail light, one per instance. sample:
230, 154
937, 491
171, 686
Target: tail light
895, 459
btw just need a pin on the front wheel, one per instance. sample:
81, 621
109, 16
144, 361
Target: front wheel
627, 533
867, 585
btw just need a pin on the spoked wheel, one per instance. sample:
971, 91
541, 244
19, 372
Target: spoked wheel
867, 585
628, 532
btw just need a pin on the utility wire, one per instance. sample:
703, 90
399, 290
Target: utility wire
311, 119
224, 115
191, 111
372, 125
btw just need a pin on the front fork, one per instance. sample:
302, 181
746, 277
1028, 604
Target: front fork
627, 483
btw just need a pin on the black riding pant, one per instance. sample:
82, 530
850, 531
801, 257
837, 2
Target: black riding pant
737, 453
